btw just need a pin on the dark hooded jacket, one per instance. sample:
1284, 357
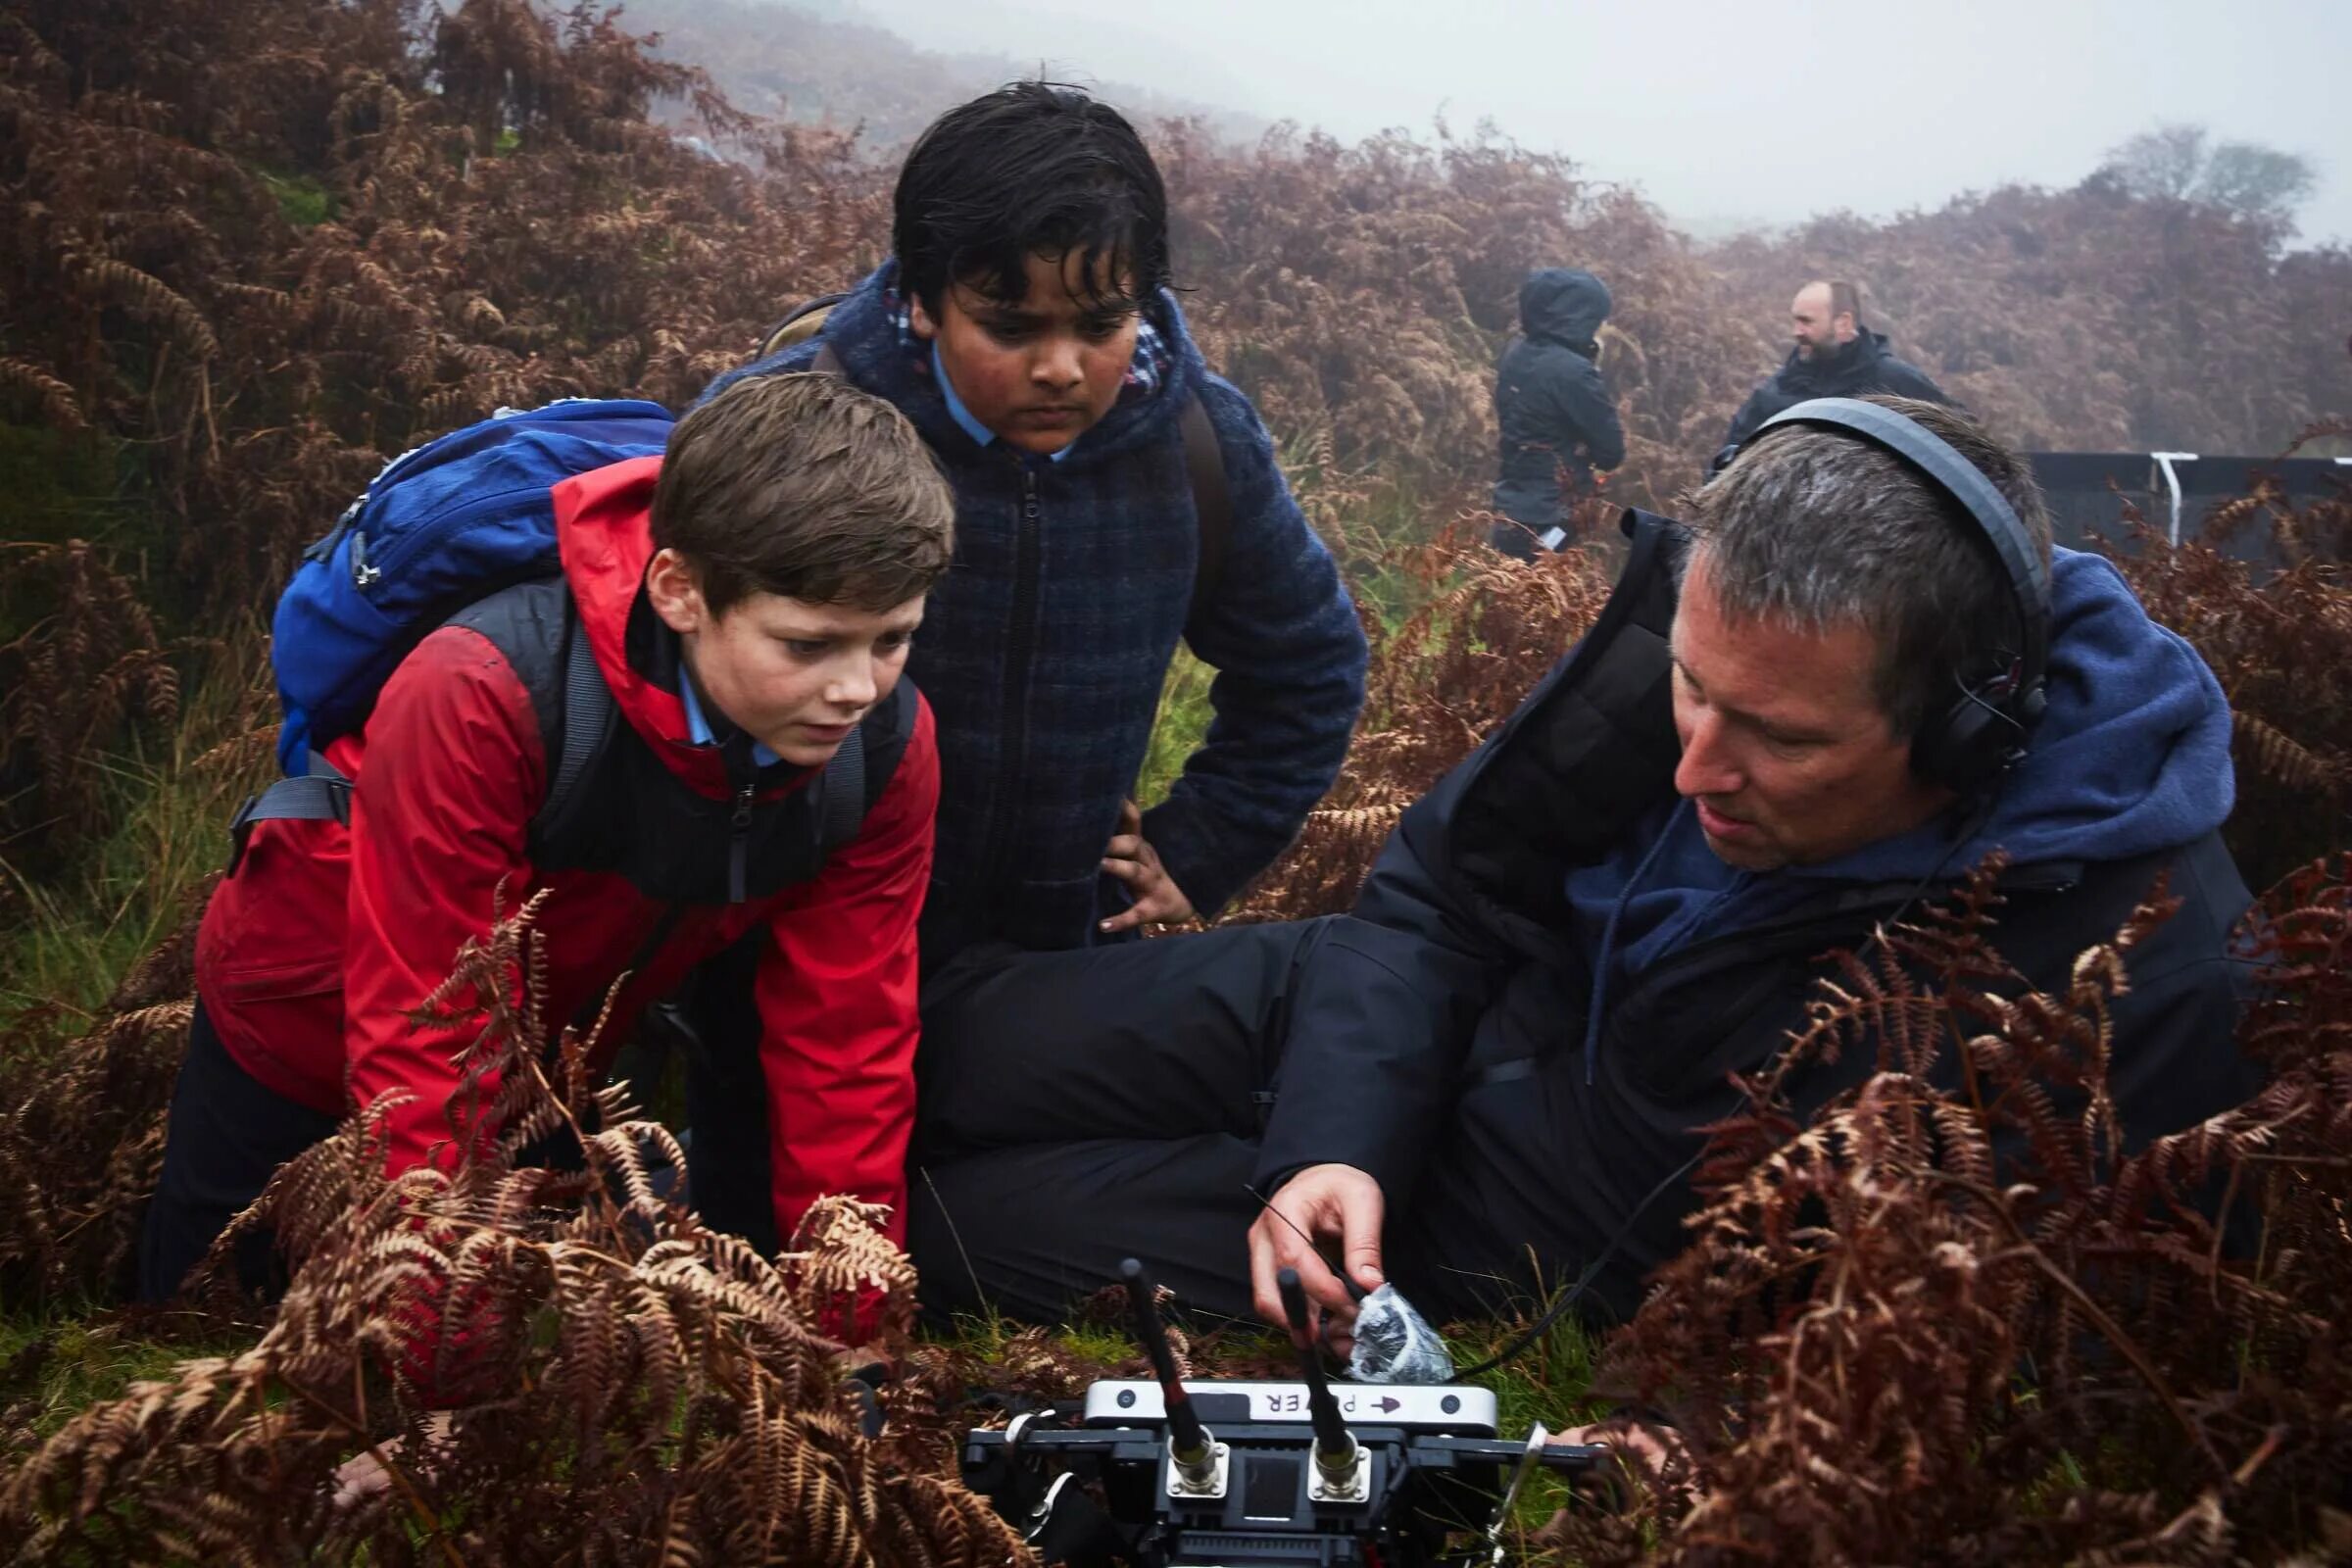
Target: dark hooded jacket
1445, 1037
1861, 368
1045, 649
1550, 403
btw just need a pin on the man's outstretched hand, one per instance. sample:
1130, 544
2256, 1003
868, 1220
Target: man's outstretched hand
1133, 861
1328, 1203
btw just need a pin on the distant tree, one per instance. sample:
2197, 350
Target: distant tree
2247, 178
2163, 161
2182, 163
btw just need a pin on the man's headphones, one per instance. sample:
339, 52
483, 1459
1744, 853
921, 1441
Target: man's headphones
1983, 732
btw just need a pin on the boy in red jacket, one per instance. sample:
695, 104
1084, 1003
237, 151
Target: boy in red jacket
749, 598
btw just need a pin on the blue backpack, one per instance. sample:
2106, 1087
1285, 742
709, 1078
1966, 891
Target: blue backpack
443, 526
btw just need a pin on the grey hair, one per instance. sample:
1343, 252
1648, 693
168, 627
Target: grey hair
1817, 528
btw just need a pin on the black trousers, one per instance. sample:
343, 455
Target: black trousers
1078, 1108
1518, 540
225, 1136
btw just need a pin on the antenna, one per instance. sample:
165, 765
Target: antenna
1336, 1450
1193, 1451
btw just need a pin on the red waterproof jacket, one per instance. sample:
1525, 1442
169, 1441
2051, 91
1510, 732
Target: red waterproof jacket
312, 956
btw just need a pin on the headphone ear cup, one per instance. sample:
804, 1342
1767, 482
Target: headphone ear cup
1964, 746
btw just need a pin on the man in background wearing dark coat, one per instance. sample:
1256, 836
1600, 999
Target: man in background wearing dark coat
1554, 414
1835, 356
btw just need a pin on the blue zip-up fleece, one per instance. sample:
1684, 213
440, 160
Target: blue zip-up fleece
2132, 757
1044, 651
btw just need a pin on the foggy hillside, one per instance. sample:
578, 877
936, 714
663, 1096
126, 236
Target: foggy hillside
830, 65
2077, 315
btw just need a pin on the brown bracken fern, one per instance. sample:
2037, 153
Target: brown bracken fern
622, 1386
1948, 1318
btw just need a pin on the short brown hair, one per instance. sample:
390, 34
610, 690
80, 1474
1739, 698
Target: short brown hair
805, 486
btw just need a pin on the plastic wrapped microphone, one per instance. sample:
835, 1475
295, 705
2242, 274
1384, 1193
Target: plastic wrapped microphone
1394, 1343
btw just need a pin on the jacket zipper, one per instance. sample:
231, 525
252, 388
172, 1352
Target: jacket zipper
1019, 649
743, 773
738, 844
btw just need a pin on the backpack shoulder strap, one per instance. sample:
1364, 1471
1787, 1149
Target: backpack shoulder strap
588, 712
844, 803
536, 628
861, 770
805, 320
321, 795
1212, 501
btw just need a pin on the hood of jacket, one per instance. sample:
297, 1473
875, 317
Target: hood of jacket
1565, 305
2132, 757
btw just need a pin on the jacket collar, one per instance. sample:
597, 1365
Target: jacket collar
1850, 367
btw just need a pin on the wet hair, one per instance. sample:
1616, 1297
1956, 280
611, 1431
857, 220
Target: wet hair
805, 486
1818, 529
1035, 167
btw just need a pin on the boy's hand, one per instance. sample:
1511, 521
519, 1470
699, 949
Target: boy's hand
365, 1474
1134, 862
1329, 1204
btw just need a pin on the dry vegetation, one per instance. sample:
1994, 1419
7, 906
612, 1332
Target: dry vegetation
259, 246
629, 1385
1887, 1347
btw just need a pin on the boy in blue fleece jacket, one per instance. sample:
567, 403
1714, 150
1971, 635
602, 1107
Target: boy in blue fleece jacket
1025, 325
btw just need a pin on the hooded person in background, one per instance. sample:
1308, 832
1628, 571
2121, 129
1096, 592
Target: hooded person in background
1835, 356
1554, 414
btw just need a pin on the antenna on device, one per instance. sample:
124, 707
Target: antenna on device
1194, 1455
1339, 1457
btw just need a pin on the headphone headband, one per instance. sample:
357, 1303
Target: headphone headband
1984, 733
2022, 565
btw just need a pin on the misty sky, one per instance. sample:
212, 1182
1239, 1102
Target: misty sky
1730, 112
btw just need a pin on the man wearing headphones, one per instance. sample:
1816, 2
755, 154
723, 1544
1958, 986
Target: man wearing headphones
1859, 672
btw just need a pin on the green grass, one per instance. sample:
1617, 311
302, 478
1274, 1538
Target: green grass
1176, 733
302, 200
74, 1359
71, 938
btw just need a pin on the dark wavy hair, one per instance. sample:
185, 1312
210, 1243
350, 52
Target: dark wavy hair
1034, 167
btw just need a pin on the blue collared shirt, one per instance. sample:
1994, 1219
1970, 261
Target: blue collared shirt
698, 728
962, 416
